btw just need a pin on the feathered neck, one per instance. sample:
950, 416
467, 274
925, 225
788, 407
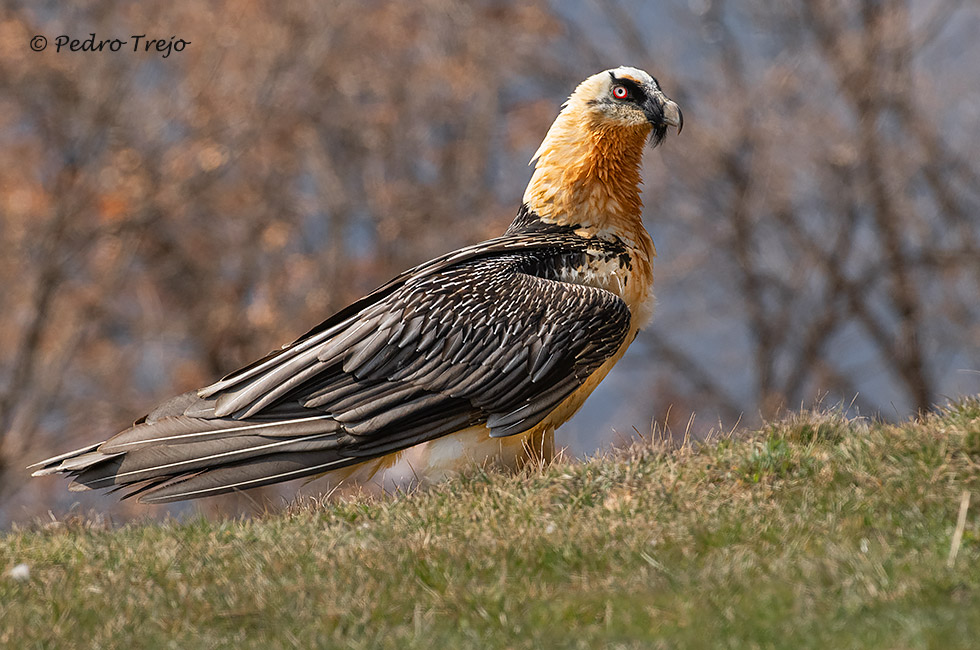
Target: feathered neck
587, 174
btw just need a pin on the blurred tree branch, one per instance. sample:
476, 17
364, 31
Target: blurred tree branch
168, 220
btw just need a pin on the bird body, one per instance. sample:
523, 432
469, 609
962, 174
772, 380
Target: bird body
474, 357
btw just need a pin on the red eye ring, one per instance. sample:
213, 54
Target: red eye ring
620, 92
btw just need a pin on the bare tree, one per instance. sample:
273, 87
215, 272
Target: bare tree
171, 219
164, 220
838, 232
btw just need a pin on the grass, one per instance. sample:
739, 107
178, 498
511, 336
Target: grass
813, 532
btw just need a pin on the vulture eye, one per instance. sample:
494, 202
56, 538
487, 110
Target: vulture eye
620, 92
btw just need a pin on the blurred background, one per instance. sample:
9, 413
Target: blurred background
164, 220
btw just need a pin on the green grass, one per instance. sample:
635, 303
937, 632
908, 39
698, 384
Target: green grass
813, 532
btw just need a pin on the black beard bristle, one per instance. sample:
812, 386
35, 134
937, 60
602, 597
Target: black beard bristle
658, 135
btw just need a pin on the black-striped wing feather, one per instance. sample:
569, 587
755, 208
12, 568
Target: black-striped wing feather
480, 336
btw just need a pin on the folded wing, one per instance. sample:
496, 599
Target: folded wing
475, 337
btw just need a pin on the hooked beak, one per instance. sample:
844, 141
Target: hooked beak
662, 112
673, 116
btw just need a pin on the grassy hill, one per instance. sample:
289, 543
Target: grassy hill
813, 532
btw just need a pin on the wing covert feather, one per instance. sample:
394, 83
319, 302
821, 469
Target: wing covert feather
507, 344
485, 335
